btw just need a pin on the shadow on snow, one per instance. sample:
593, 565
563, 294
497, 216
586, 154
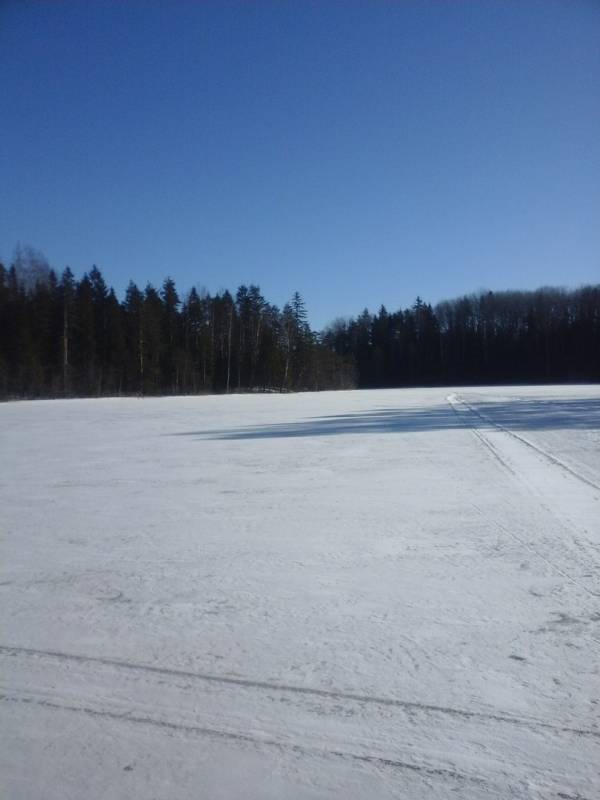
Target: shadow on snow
518, 415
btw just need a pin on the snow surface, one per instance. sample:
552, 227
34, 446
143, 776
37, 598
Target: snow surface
356, 594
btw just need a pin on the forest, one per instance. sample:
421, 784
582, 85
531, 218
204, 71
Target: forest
60, 336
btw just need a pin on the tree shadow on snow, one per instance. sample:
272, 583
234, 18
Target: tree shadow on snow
516, 415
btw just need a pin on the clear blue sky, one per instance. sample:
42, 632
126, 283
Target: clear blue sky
358, 152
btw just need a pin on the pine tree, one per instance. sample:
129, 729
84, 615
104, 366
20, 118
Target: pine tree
154, 342
67, 293
170, 336
116, 345
134, 336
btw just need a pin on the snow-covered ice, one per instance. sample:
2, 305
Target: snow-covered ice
366, 594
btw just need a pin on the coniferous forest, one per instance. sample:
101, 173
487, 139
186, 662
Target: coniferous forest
65, 337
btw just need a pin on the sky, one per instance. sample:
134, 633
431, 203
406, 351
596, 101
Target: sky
358, 152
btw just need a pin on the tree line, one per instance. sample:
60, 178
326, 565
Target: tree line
65, 337
548, 335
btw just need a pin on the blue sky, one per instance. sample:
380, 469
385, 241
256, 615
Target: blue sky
358, 152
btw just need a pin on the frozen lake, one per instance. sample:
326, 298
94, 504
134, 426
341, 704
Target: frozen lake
367, 594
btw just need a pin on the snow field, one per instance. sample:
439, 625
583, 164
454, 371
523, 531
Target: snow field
360, 594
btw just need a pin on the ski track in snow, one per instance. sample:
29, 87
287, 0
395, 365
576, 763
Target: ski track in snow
453, 398
522, 476
359, 594
286, 688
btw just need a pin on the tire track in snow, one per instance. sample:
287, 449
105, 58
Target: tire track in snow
334, 694
242, 737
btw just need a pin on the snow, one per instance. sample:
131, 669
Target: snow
353, 594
